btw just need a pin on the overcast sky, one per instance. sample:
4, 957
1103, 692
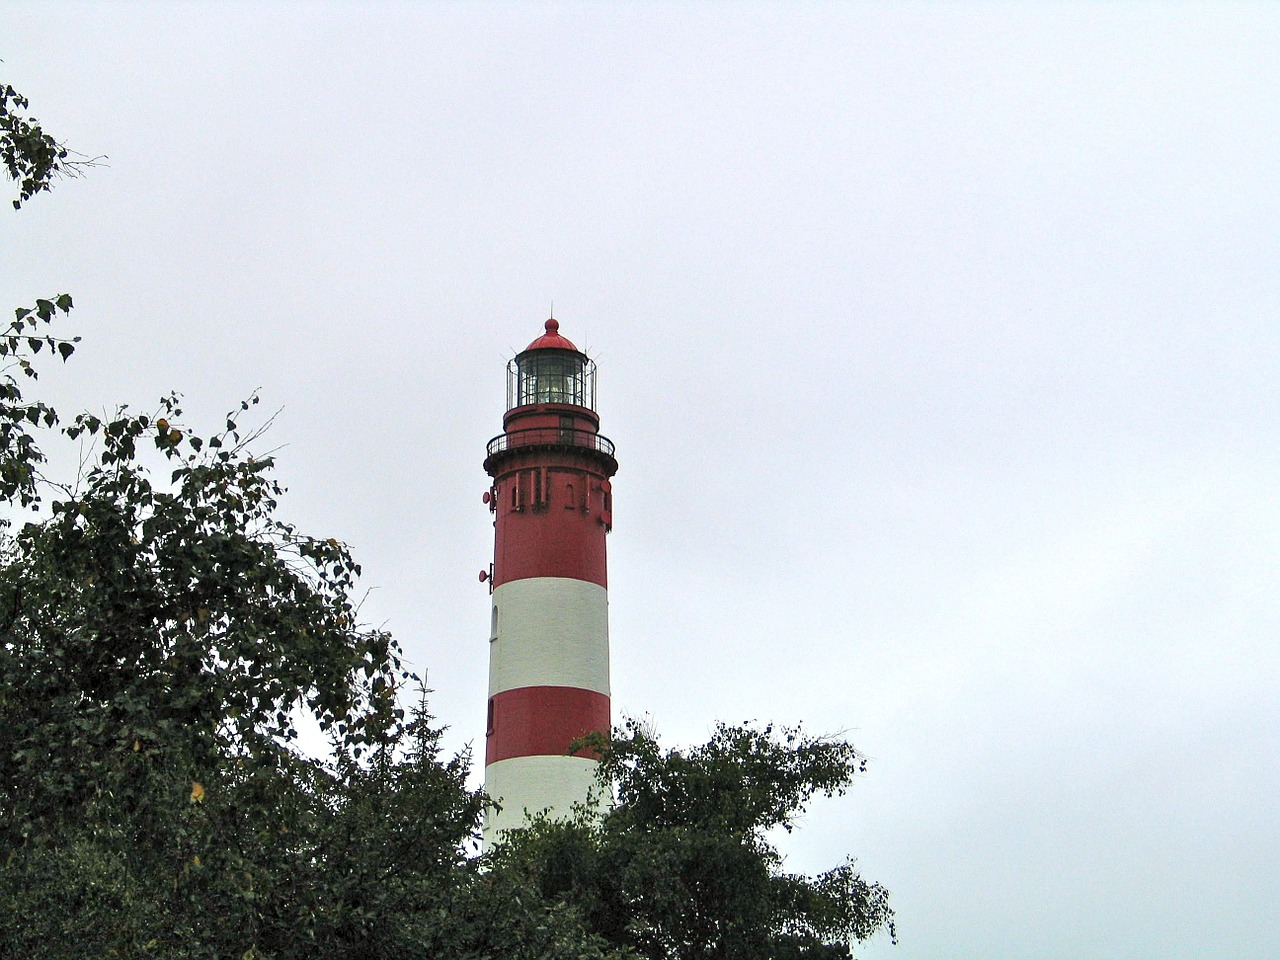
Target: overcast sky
939, 344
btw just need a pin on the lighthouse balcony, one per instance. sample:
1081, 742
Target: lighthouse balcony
549, 438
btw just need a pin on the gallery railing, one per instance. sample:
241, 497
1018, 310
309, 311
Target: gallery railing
550, 437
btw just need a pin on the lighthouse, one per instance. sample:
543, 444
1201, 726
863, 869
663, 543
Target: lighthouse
552, 502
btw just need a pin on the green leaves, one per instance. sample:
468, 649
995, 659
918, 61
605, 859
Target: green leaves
186, 607
20, 342
32, 157
681, 868
746, 780
160, 640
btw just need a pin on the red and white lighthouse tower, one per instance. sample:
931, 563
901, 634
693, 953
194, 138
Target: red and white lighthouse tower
549, 634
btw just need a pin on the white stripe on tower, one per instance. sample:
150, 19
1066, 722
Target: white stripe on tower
551, 631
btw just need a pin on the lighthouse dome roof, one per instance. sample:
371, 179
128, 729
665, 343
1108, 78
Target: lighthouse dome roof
551, 340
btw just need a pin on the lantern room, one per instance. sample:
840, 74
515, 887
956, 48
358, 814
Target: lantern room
551, 370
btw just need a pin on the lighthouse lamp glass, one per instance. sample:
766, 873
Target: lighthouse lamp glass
547, 377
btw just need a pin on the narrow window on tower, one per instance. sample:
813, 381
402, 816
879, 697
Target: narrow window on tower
493, 627
488, 727
568, 496
519, 492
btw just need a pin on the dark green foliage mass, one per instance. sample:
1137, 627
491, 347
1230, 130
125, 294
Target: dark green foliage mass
681, 866
164, 635
168, 627
160, 639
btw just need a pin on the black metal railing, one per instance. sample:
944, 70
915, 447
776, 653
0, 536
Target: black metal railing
550, 437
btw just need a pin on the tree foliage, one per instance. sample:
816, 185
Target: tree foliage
31, 157
174, 625
20, 343
162, 633
682, 867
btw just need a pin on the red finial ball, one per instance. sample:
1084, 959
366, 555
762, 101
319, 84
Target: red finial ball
551, 339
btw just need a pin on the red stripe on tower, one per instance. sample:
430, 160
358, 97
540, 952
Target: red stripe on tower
543, 721
549, 636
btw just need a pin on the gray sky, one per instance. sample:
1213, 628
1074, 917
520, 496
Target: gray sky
938, 342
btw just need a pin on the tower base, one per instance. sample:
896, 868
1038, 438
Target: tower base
552, 785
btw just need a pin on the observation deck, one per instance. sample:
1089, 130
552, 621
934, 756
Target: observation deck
550, 438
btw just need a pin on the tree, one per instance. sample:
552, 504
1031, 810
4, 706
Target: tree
158, 642
173, 626
681, 867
